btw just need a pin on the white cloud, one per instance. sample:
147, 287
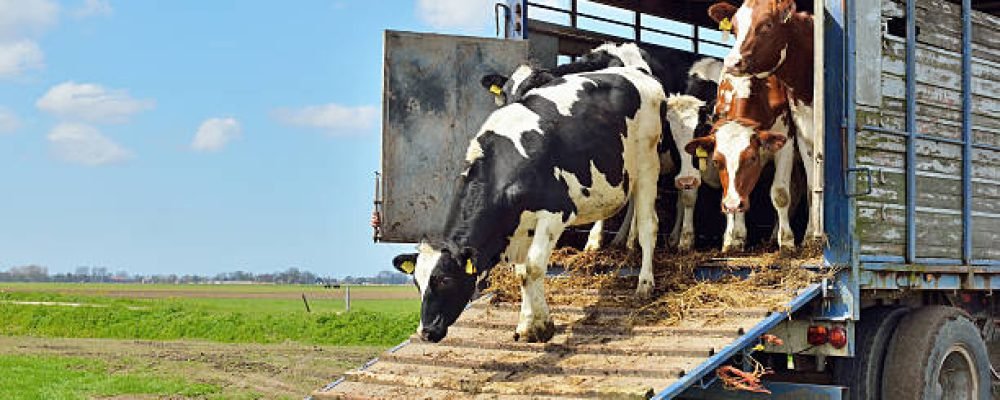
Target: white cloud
215, 133
332, 118
21, 22
84, 144
25, 18
92, 103
17, 57
93, 8
460, 14
8, 121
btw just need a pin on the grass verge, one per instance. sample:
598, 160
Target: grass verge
172, 319
54, 377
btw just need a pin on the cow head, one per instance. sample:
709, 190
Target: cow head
736, 147
507, 90
684, 114
762, 34
446, 281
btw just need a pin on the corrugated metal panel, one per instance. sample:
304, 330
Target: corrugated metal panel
433, 104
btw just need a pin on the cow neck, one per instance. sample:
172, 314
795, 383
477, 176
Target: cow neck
797, 70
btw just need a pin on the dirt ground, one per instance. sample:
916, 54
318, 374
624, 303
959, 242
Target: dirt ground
272, 371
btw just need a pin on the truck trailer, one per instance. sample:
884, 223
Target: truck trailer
908, 109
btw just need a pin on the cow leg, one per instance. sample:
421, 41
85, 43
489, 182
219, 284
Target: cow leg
688, 198
736, 233
625, 238
646, 222
784, 160
595, 237
803, 119
535, 324
675, 233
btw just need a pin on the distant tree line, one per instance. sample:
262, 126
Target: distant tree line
35, 273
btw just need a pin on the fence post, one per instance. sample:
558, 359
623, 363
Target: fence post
347, 298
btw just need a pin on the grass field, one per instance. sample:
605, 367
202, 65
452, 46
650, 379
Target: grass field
141, 341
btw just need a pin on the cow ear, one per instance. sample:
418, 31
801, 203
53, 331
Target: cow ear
721, 10
771, 141
405, 263
494, 83
705, 143
787, 9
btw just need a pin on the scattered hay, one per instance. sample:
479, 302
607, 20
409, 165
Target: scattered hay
596, 278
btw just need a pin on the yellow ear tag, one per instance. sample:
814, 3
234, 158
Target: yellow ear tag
469, 268
702, 158
497, 90
726, 27
408, 267
758, 347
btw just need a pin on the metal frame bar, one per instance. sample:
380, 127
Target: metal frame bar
636, 25
911, 129
748, 339
967, 131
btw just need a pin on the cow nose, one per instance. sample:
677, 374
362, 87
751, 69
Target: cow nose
432, 334
687, 182
733, 206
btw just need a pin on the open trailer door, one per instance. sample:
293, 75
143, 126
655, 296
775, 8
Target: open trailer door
432, 105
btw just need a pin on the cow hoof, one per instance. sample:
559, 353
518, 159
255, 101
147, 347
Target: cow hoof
592, 247
537, 333
814, 241
644, 290
686, 242
733, 246
786, 249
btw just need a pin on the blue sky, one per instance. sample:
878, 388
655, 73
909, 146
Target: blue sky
187, 136
198, 136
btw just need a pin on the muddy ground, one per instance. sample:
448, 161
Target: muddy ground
272, 371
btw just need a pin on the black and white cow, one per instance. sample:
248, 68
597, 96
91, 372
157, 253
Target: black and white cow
696, 80
571, 152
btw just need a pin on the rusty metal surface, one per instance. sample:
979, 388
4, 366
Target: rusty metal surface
432, 105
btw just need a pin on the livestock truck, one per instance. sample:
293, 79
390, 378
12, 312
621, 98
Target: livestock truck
908, 112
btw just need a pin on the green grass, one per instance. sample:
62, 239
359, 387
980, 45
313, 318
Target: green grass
232, 320
56, 378
208, 288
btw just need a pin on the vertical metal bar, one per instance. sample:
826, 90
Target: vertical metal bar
838, 224
638, 27
967, 131
572, 14
851, 122
911, 129
696, 39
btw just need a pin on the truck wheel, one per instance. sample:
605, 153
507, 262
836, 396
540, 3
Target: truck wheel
937, 353
862, 374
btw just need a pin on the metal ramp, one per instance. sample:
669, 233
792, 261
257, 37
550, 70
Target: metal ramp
595, 353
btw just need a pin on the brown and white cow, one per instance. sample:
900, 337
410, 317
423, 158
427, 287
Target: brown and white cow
752, 129
772, 39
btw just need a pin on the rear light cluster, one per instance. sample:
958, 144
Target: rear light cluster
819, 335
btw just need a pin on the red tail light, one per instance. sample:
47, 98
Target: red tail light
838, 337
818, 335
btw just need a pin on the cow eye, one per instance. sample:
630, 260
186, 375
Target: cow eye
444, 280
719, 164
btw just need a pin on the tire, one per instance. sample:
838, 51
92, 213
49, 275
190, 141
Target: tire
937, 353
862, 374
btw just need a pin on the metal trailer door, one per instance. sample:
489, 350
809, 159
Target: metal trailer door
432, 105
